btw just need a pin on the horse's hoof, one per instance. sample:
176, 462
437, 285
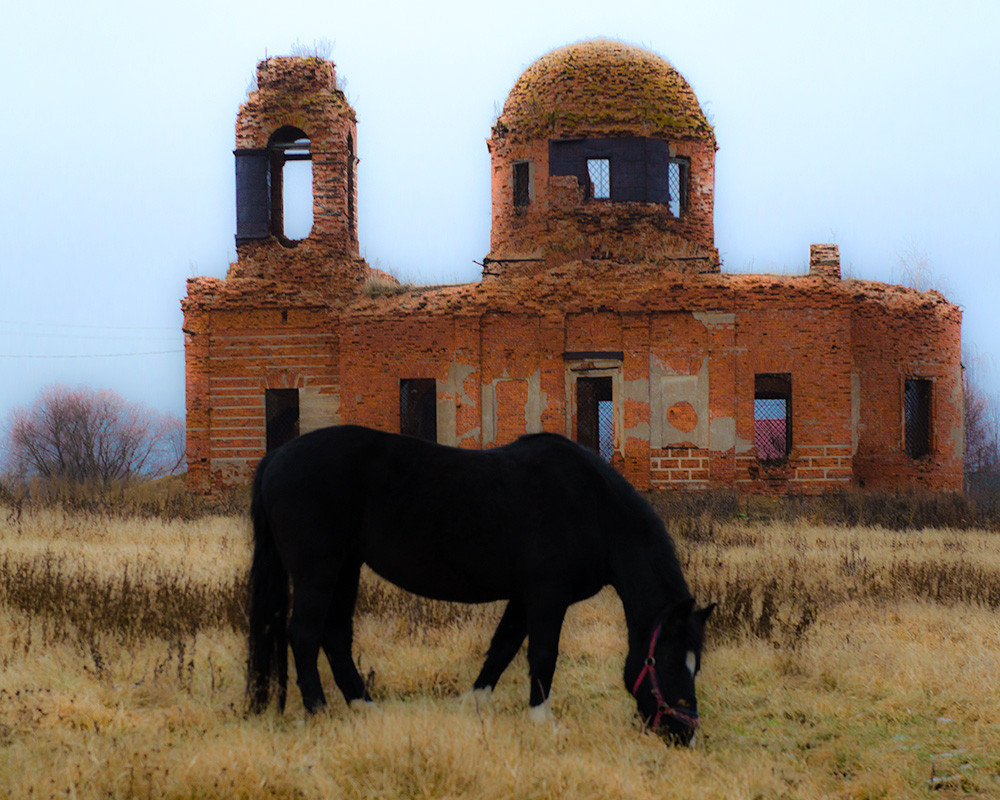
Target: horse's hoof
478, 698
541, 713
360, 704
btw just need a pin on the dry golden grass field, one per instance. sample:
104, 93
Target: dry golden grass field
841, 662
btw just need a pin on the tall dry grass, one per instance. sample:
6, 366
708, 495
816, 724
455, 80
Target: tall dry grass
842, 662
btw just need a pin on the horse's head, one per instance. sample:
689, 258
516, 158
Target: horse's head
662, 682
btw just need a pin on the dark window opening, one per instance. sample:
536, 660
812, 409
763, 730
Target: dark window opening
522, 186
595, 422
624, 169
281, 408
418, 408
772, 416
253, 195
677, 183
917, 416
599, 174
291, 184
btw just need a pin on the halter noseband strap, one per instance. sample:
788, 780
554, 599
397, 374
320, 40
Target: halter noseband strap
662, 707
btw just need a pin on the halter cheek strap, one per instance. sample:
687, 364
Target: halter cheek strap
663, 709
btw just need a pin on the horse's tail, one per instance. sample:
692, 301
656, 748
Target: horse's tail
268, 610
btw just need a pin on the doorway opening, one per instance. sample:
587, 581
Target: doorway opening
595, 420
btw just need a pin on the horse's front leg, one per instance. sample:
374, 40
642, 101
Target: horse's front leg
507, 639
545, 618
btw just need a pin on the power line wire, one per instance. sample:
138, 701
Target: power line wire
94, 355
98, 327
86, 336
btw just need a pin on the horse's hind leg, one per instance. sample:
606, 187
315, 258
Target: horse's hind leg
311, 599
338, 635
507, 639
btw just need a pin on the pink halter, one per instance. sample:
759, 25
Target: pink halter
662, 707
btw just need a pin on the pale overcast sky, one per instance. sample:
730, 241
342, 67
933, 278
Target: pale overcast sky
873, 124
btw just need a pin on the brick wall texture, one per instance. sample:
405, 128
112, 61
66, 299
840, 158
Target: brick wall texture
628, 292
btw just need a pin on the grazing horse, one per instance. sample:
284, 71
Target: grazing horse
541, 523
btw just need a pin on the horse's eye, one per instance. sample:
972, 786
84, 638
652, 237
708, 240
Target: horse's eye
691, 662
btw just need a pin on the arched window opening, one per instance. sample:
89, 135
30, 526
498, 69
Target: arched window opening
297, 199
291, 184
351, 160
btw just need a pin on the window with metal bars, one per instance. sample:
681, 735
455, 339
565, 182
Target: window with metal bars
605, 429
599, 172
418, 408
772, 416
522, 185
917, 416
677, 182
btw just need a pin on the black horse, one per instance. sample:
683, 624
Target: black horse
542, 523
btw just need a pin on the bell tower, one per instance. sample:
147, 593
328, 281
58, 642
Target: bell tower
296, 178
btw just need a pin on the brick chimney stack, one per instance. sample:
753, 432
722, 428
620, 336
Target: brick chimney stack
824, 261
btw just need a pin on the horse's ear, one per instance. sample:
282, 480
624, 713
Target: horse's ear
704, 613
679, 612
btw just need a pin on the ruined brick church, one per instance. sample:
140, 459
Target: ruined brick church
602, 313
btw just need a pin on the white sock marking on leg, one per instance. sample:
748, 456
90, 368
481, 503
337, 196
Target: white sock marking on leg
482, 697
542, 712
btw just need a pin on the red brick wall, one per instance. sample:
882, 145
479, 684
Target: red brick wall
234, 353
502, 373
908, 335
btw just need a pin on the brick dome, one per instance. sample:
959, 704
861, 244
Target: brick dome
602, 88
601, 152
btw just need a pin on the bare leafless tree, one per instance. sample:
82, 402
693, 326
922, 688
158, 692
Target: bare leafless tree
84, 435
982, 426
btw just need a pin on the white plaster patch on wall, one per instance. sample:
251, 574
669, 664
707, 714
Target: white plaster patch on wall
317, 409
637, 390
471, 435
489, 416
457, 375
534, 406
536, 403
723, 436
452, 394
713, 319
667, 389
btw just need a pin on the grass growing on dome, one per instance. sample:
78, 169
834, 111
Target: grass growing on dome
602, 87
